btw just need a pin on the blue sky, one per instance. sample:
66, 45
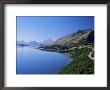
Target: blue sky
40, 28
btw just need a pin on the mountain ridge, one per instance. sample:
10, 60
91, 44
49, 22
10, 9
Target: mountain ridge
74, 38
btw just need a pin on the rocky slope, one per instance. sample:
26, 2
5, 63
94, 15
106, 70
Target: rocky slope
79, 38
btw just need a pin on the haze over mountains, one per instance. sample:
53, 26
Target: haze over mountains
35, 43
74, 39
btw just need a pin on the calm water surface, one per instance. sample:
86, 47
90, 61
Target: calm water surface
34, 61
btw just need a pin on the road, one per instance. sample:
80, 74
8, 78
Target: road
90, 55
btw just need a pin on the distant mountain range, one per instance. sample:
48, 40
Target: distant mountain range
48, 41
31, 43
34, 43
80, 37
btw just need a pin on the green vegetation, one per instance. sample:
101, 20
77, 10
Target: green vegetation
55, 48
81, 63
78, 46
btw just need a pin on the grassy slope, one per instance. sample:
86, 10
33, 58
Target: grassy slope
81, 64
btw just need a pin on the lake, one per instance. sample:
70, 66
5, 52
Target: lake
33, 61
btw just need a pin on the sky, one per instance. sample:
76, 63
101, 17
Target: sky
40, 28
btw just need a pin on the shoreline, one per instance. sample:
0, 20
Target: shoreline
66, 54
79, 61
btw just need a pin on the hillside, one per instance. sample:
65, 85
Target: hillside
81, 63
80, 47
75, 39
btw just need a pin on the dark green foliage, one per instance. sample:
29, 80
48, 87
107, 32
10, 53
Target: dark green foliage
80, 64
56, 48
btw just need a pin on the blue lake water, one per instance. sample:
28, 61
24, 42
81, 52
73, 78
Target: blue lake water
33, 61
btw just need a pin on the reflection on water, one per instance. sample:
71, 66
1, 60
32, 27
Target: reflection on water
34, 61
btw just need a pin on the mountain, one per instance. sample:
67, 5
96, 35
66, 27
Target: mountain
48, 41
31, 43
18, 42
90, 37
79, 38
21, 42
